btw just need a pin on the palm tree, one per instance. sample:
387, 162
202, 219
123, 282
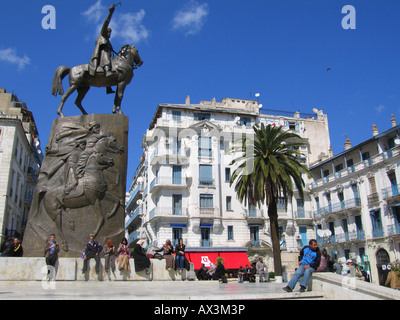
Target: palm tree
267, 169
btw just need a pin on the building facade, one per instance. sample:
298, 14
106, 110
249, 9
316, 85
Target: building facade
181, 188
20, 159
355, 202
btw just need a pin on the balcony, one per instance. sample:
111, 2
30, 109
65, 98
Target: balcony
134, 195
393, 229
377, 232
356, 168
254, 215
163, 156
391, 193
303, 215
138, 213
168, 182
340, 208
205, 182
356, 235
207, 211
168, 214
342, 237
373, 198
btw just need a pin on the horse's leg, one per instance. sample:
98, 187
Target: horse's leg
99, 213
65, 96
81, 94
117, 202
53, 210
118, 97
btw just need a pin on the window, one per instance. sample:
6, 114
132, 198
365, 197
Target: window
300, 208
228, 203
317, 203
339, 167
227, 174
202, 116
176, 175
281, 204
341, 199
345, 229
177, 204
254, 236
328, 200
252, 210
205, 237
350, 165
230, 232
176, 115
377, 230
206, 201
355, 191
176, 147
245, 121
393, 183
205, 149
176, 235
294, 126
303, 236
205, 175
391, 143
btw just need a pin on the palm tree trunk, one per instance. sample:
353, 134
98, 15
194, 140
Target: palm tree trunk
276, 248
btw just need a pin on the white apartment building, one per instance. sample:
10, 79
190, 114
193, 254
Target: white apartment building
181, 187
20, 159
356, 202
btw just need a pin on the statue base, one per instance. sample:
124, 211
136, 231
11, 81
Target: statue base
81, 185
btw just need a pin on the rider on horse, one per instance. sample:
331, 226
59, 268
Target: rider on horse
102, 52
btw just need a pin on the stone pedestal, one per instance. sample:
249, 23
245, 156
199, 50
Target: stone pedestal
81, 186
70, 269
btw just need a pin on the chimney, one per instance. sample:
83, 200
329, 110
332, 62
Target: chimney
330, 151
347, 144
393, 121
374, 130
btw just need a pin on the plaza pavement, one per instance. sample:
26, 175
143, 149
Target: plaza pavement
147, 290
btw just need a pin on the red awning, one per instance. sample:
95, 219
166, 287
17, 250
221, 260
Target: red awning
234, 260
197, 258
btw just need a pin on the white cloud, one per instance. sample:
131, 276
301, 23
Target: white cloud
10, 56
191, 18
128, 26
380, 108
95, 12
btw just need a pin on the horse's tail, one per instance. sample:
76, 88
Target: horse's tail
60, 74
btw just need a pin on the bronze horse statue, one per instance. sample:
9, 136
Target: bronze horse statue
80, 79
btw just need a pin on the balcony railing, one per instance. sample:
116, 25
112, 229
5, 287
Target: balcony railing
168, 181
393, 229
303, 214
340, 206
357, 167
391, 191
206, 182
137, 213
167, 212
377, 232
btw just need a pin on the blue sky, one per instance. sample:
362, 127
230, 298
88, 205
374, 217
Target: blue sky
216, 48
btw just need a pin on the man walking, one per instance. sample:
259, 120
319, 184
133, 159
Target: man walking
51, 253
262, 271
309, 260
